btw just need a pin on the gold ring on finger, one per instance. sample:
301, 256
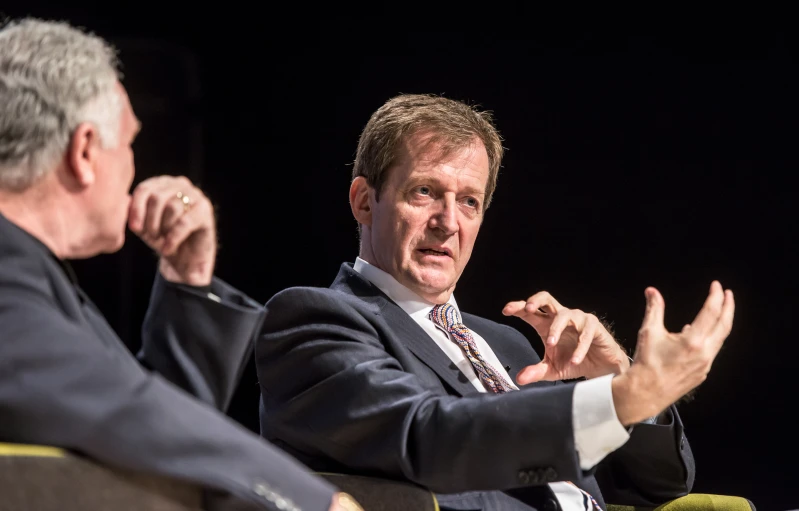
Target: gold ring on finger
185, 200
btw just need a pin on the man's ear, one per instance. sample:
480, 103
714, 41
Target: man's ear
83, 153
359, 201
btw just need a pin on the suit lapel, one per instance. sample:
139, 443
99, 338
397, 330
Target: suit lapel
425, 349
409, 333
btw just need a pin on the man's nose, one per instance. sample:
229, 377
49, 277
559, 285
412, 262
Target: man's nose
446, 218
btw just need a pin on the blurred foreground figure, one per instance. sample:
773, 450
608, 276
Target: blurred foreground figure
382, 374
66, 379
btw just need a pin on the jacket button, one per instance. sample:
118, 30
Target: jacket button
524, 477
550, 474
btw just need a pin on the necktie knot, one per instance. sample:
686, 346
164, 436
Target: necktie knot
446, 316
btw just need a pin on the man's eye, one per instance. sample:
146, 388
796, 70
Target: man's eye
424, 190
471, 202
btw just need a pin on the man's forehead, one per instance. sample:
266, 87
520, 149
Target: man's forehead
425, 154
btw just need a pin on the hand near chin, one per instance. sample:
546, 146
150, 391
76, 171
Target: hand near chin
576, 344
174, 218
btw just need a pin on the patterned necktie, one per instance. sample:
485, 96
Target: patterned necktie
447, 317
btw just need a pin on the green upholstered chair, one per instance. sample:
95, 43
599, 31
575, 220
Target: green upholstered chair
695, 502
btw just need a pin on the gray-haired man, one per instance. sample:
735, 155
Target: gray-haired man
66, 165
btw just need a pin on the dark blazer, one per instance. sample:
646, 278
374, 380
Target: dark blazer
67, 380
350, 383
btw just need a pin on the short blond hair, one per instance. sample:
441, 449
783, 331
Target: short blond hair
446, 123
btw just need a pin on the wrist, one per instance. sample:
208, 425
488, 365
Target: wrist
197, 277
617, 366
622, 364
632, 398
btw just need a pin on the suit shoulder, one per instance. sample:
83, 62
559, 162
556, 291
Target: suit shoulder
316, 296
25, 275
318, 303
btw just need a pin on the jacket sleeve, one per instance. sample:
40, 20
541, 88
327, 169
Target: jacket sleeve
61, 385
655, 465
199, 342
331, 390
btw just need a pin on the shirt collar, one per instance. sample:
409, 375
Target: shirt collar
413, 304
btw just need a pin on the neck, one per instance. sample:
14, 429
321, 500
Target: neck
44, 214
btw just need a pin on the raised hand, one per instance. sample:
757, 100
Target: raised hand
176, 219
668, 365
576, 343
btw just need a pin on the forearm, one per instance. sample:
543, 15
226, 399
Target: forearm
367, 414
87, 394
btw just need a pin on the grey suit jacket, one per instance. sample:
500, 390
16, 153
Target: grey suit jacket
350, 383
67, 380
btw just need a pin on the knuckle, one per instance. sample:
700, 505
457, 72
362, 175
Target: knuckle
181, 223
694, 343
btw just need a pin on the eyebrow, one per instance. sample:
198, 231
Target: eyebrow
475, 191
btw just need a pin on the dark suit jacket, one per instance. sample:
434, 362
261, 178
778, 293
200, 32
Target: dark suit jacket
351, 383
67, 380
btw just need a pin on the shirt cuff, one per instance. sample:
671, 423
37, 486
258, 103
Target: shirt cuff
597, 430
200, 289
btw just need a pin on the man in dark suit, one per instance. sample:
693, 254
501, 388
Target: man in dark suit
382, 375
66, 379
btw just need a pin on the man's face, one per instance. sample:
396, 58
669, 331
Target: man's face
115, 170
429, 213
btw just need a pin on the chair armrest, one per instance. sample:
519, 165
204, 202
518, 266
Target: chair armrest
695, 502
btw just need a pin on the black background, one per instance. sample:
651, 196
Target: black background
654, 156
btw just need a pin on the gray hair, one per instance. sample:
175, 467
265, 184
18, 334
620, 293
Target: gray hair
53, 77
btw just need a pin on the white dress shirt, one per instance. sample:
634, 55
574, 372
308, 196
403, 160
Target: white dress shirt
597, 430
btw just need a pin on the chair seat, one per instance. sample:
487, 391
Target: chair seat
49, 479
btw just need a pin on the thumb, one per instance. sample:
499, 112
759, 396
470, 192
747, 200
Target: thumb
533, 373
655, 306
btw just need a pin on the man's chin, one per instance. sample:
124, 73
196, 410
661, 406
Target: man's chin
114, 245
433, 285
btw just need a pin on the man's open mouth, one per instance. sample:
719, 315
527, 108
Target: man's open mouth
432, 251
